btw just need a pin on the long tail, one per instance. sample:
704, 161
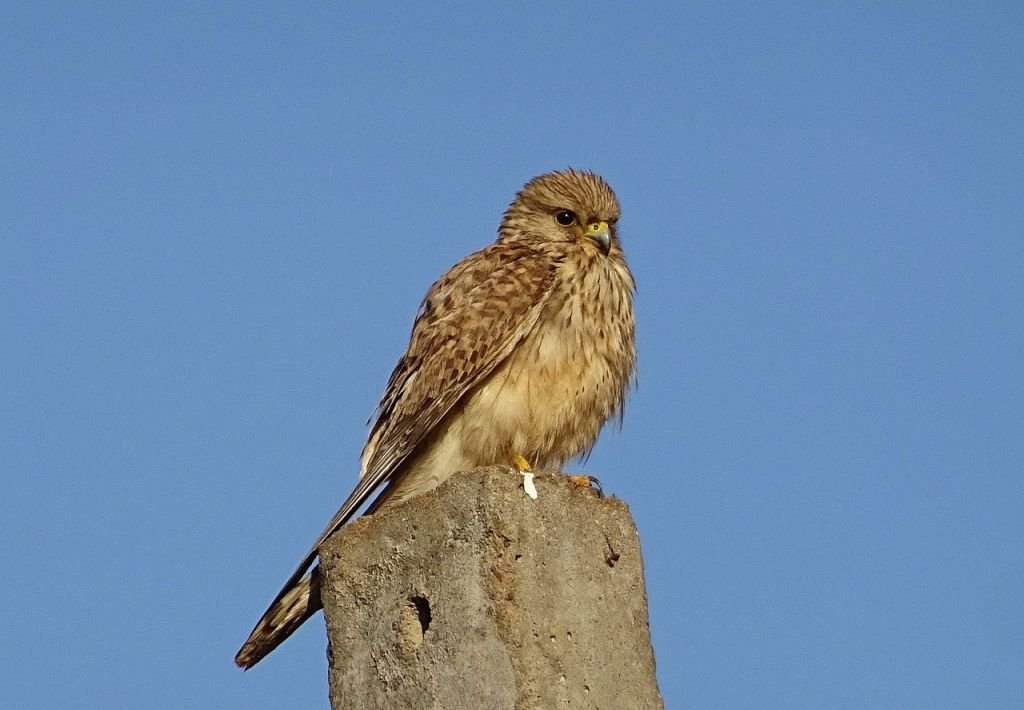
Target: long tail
299, 599
278, 622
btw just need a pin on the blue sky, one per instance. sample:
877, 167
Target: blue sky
217, 222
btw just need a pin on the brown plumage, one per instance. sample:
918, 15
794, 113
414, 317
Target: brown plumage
520, 352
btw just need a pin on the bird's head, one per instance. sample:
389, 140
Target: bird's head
570, 206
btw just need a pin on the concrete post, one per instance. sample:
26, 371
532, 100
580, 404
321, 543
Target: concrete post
476, 596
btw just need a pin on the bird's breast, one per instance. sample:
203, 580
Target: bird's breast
549, 400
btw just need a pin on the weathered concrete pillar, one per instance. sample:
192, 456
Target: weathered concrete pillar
475, 596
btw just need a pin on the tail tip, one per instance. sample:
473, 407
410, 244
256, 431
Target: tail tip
246, 658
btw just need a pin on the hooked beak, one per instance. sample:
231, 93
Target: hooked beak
601, 234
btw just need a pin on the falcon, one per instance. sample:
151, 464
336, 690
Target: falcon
519, 355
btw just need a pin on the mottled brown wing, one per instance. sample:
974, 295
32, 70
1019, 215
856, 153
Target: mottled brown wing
469, 322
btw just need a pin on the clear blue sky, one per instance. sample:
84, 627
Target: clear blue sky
216, 223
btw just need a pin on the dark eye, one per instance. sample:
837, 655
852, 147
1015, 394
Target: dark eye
565, 218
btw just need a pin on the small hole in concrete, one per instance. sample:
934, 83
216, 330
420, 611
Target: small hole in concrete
413, 621
422, 605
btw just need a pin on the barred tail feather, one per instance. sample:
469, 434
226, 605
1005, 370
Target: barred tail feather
278, 622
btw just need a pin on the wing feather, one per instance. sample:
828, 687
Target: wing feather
470, 321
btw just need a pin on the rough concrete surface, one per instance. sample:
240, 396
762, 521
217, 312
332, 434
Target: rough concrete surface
475, 596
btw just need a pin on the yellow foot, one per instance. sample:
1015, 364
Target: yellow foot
522, 464
526, 470
587, 482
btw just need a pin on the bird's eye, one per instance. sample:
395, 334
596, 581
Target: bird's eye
565, 218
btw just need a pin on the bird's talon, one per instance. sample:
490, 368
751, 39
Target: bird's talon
587, 482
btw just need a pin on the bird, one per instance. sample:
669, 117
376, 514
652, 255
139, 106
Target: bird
519, 355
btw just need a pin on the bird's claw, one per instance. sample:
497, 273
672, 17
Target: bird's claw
590, 482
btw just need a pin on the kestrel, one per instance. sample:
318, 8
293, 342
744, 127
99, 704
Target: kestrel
519, 354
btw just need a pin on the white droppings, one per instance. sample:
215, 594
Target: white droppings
531, 490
